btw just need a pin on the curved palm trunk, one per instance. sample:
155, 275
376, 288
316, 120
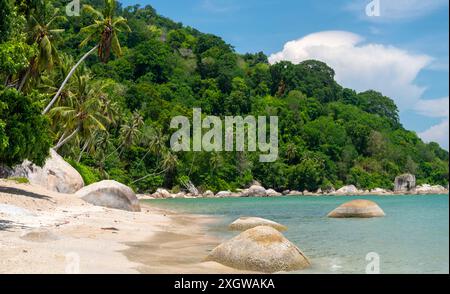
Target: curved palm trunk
72, 71
67, 139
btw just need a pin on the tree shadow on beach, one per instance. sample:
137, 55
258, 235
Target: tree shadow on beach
7, 225
20, 192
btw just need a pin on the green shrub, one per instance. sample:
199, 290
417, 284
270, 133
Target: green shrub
88, 174
19, 180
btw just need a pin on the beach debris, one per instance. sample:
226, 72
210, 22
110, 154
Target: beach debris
404, 183
56, 175
111, 229
261, 249
357, 209
110, 194
246, 223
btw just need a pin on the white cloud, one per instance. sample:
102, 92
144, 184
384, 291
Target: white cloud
433, 108
437, 108
360, 66
397, 10
438, 134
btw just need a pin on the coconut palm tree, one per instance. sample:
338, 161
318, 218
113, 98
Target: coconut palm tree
85, 117
104, 31
130, 132
42, 33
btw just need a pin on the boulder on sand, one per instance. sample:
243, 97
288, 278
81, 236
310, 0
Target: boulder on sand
56, 175
273, 193
110, 194
261, 249
357, 209
246, 223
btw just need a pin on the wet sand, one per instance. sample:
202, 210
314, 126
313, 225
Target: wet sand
48, 232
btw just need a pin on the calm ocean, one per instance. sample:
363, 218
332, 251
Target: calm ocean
412, 238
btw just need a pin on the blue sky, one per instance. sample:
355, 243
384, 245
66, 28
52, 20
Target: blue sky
402, 52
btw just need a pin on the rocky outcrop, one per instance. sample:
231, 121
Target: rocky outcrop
208, 194
110, 194
223, 194
405, 183
272, 193
261, 249
379, 191
357, 209
295, 193
246, 223
428, 189
161, 194
348, 190
56, 175
255, 191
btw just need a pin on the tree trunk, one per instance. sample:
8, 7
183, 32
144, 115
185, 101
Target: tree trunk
67, 139
24, 79
72, 71
82, 151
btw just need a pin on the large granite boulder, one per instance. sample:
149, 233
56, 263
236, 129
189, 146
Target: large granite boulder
405, 183
428, 189
246, 223
162, 194
110, 194
224, 194
357, 209
261, 249
208, 194
273, 193
56, 175
348, 190
255, 191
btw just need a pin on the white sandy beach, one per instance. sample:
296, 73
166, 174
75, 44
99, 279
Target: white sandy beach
48, 232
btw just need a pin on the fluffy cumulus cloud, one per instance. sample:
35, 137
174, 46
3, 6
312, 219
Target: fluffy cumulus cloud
362, 66
437, 108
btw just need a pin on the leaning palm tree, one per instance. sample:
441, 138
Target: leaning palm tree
85, 117
42, 33
104, 31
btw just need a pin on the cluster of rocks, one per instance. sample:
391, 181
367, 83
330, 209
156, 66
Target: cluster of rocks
258, 190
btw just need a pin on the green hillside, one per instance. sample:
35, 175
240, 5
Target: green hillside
112, 119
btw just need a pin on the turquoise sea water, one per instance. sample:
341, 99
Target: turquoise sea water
412, 238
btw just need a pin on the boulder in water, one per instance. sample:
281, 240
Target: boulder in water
261, 249
110, 194
357, 209
246, 223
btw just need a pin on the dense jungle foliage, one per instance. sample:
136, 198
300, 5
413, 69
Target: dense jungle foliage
111, 120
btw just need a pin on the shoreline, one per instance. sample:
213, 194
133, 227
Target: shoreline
48, 232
